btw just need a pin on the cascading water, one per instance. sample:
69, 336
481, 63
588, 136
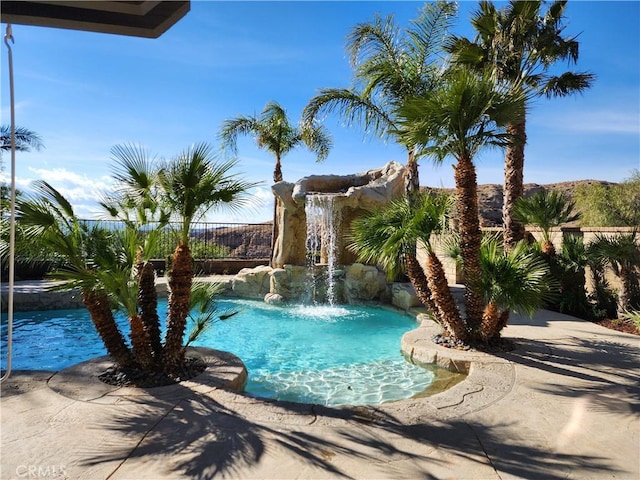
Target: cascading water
323, 226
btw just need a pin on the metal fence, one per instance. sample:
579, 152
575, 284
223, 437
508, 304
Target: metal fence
209, 240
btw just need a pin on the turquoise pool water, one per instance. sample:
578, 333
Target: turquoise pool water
317, 354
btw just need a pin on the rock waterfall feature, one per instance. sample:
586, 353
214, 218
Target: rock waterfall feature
314, 219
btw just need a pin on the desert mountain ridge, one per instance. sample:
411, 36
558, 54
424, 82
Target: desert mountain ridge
490, 196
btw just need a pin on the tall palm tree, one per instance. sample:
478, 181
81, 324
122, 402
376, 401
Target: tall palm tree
546, 209
46, 214
189, 187
464, 114
390, 65
521, 44
274, 132
389, 236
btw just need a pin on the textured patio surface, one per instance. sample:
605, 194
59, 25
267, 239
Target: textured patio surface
564, 404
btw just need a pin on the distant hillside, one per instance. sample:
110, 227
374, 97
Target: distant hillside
490, 197
251, 241
254, 241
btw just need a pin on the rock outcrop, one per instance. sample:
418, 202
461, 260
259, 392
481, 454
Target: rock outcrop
355, 283
252, 282
354, 194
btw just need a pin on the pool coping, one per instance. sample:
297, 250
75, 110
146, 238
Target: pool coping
489, 378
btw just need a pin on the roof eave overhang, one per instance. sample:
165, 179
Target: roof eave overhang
148, 19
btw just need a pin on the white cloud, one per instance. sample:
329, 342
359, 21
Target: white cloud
82, 191
73, 185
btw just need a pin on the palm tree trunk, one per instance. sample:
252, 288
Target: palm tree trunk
503, 320
420, 284
99, 308
470, 238
140, 342
513, 184
490, 322
624, 294
443, 299
412, 179
148, 302
277, 171
548, 248
180, 278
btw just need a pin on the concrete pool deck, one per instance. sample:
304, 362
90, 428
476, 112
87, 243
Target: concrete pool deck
564, 404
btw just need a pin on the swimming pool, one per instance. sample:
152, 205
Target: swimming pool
313, 354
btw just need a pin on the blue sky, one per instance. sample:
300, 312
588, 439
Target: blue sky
85, 92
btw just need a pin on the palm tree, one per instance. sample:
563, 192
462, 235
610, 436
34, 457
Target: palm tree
50, 217
117, 277
273, 132
135, 203
25, 139
389, 236
464, 114
151, 193
521, 45
622, 254
517, 280
572, 262
135, 199
546, 210
189, 187
112, 268
390, 66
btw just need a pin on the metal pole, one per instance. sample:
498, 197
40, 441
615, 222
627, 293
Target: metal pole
12, 215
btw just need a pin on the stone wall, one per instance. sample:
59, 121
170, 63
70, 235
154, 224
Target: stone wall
30, 296
38, 294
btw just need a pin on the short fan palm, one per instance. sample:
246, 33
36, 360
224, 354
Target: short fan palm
112, 268
546, 210
622, 254
390, 236
517, 280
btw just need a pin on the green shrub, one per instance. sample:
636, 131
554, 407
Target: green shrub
610, 206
